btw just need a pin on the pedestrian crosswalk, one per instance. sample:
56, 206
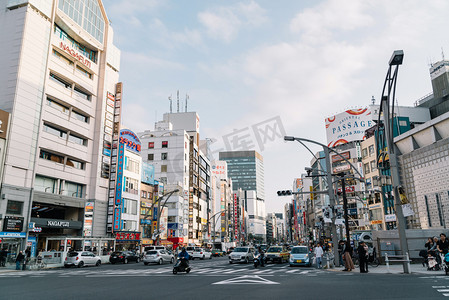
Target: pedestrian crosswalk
197, 270
443, 289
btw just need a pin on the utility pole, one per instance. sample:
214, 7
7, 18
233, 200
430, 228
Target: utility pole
345, 209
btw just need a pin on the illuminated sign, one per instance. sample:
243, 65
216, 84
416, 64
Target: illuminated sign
127, 236
130, 140
336, 157
75, 54
348, 126
235, 216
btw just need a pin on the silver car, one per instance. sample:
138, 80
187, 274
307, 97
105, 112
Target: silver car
242, 254
159, 256
81, 258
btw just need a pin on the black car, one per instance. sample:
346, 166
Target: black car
124, 257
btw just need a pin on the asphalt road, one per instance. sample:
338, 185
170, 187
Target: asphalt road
216, 279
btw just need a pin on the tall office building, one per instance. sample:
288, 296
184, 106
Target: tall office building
246, 170
58, 75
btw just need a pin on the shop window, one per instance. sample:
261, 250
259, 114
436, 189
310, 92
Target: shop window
151, 156
164, 156
14, 207
151, 145
164, 144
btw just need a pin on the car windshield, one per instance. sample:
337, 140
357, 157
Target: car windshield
274, 249
151, 252
72, 254
299, 250
198, 250
117, 253
240, 250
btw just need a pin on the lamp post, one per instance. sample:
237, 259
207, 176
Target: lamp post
330, 191
156, 238
388, 94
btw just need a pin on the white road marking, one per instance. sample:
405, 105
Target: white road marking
247, 279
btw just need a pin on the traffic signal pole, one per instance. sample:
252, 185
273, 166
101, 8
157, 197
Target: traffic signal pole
332, 203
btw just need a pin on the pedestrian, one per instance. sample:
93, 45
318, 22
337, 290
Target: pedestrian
19, 259
341, 246
3, 255
347, 252
443, 244
27, 258
318, 255
363, 257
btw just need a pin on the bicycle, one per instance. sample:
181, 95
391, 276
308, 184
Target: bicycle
38, 264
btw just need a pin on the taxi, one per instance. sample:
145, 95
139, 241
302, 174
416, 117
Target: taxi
277, 254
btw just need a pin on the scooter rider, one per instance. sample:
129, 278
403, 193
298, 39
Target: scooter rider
184, 256
261, 257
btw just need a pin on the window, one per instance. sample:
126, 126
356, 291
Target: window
132, 165
81, 93
131, 185
77, 140
51, 156
129, 225
58, 106
45, 184
143, 194
62, 58
164, 180
163, 168
373, 165
73, 189
371, 150
364, 152
83, 72
60, 81
164, 144
55, 131
14, 207
80, 116
130, 206
151, 145
366, 168
74, 164
164, 156
150, 156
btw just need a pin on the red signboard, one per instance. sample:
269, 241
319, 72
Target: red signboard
349, 189
337, 157
235, 217
75, 54
127, 236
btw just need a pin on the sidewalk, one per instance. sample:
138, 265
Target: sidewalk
12, 268
395, 268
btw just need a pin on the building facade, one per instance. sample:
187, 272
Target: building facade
58, 66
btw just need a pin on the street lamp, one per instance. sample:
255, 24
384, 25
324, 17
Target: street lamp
388, 94
328, 175
156, 234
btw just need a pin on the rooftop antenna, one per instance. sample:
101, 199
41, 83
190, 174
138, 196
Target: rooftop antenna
178, 99
373, 100
187, 98
169, 98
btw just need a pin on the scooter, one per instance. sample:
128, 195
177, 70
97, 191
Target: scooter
257, 260
182, 265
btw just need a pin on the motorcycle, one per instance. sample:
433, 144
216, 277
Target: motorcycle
182, 265
257, 261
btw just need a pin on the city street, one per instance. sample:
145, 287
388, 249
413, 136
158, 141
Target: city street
218, 279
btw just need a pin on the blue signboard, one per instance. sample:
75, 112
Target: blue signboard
130, 140
172, 225
118, 189
147, 173
155, 214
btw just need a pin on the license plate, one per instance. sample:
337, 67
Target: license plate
299, 261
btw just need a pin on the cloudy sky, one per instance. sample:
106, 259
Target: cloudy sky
264, 64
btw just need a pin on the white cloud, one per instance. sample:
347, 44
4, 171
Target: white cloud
224, 23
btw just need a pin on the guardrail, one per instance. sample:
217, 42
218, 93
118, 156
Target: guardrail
396, 258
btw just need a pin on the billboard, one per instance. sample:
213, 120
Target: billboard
147, 173
348, 126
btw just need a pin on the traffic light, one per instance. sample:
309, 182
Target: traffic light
402, 195
284, 193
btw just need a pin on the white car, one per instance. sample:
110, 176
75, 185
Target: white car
201, 253
158, 256
242, 254
81, 259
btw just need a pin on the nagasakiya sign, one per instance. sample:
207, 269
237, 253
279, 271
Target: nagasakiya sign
348, 126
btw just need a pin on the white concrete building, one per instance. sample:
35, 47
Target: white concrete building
58, 63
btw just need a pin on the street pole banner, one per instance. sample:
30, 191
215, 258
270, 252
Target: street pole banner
407, 210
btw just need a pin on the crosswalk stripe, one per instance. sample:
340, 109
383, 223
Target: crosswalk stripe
439, 286
443, 291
